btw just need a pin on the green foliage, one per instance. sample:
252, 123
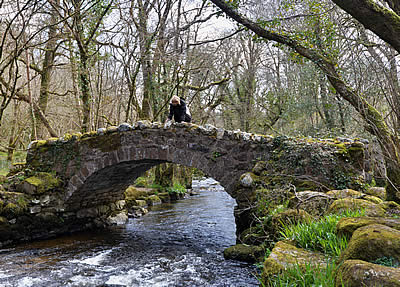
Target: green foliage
309, 275
142, 181
387, 261
18, 156
319, 235
176, 188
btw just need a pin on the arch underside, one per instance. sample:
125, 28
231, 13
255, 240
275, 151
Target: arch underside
108, 184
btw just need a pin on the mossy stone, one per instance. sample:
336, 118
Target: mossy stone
259, 167
376, 191
356, 273
372, 242
313, 202
41, 183
353, 204
153, 200
343, 193
11, 210
285, 255
346, 226
133, 193
3, 221
246, 253
373, 199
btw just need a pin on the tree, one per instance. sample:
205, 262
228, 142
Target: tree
385, 23
86, 18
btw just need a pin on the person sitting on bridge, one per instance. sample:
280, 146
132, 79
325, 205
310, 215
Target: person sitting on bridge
179, 110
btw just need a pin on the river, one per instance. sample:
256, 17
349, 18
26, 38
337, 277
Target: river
177, 244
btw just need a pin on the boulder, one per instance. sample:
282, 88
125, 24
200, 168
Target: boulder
153, 200
345, 204
346, 226
285, 255
118, 219
242, 252
355, 273
313, 202
372, 242
343, 193
377, 191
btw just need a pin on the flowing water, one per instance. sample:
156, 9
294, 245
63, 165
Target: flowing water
177, 244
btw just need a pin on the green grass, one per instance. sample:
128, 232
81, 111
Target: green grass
307, 276
319, 235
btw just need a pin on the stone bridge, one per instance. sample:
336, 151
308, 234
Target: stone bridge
95, 168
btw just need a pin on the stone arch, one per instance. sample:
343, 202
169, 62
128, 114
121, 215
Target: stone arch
104, 173
98, 166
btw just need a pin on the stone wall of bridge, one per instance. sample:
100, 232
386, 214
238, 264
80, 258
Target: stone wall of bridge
92, 170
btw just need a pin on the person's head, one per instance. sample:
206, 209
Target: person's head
175, 101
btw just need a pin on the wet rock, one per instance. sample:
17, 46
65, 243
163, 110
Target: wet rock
355, 273
153, 200
242, 252
118, 219
372, 242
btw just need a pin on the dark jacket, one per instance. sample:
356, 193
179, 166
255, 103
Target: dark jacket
179, 112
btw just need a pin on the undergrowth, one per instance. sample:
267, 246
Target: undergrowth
319, 235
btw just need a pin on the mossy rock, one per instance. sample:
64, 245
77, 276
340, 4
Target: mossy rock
391, 208
372, 242
373, 199
259, 167
353, 204
376, 191
153, 200
313, 202
134, 193
3, 221
246, 253
285, 255
12, 210
164, 196
356, 273
344, 193
141, 203
347, 226
41, 183
289, 217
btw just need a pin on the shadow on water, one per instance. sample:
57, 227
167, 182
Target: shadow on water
178, 244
